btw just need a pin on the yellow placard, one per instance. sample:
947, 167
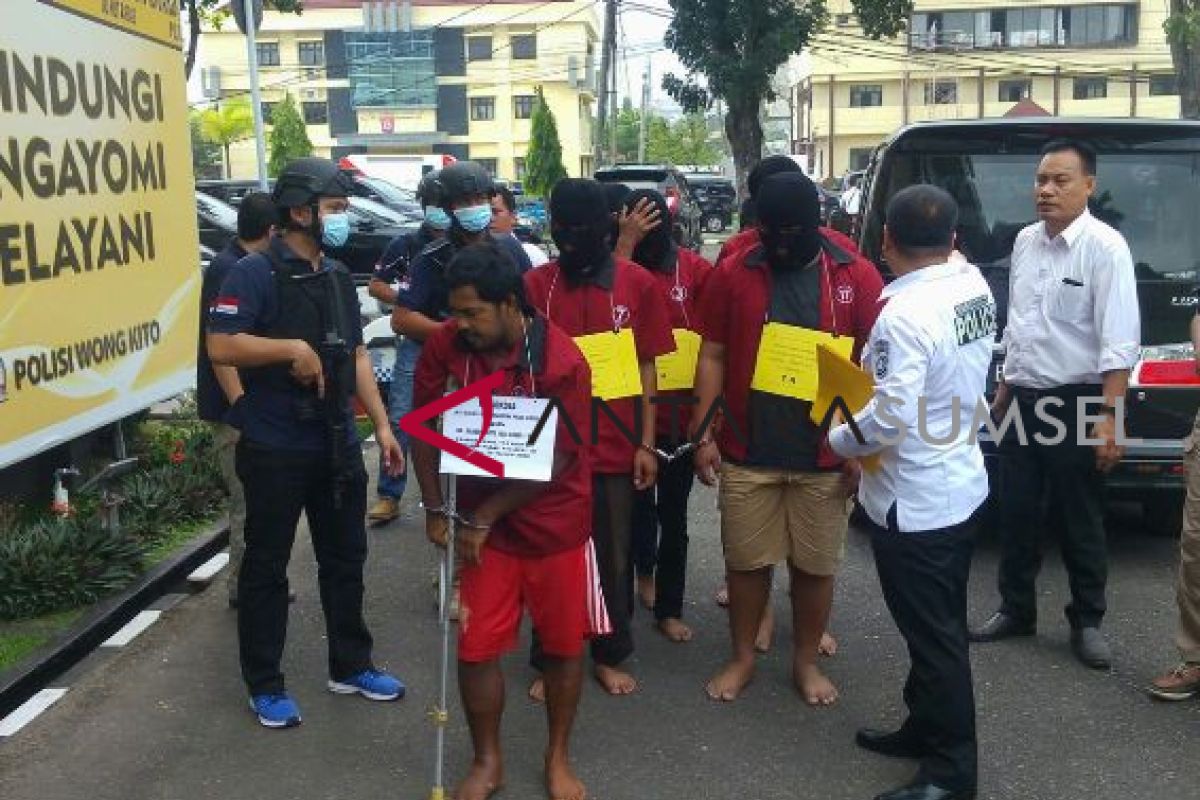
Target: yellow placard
614, 362
678, 370
787, 359
99, 255
839, 377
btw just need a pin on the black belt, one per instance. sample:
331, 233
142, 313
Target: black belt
1070, 391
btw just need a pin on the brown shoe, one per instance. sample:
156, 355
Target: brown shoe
1181, 683
385, 510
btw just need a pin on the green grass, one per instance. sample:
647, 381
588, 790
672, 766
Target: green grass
365, 428
19, 639
173, 540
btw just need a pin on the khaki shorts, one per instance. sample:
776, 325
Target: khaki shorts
768, 515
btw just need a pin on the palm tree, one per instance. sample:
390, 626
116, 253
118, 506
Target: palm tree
227, 124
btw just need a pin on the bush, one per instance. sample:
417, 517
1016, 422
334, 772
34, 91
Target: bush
55, 565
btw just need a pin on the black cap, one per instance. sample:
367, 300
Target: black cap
461, 180
306, 180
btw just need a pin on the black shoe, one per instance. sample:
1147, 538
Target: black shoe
1090, 648
888, 743
926, 791
1001, 626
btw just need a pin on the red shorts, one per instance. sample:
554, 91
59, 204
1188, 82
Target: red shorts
553, 588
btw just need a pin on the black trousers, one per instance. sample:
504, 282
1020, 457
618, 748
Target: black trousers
924, 579
279, 484
612, 513
1066, 474
664, 507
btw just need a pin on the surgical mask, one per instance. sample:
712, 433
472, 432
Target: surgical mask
335, 229
475, 219
437, 218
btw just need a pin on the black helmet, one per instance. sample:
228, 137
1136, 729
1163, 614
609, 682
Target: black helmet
461, 180
306, 180
429, 191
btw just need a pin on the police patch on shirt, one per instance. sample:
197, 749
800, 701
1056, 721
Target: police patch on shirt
974, 319
879, 355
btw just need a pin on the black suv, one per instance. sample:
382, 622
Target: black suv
1148, 188
718, 201
671, 184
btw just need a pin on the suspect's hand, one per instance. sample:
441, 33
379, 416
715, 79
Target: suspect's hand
645, 469
391, 453
637, 222
469, 543
437, 528
708, 463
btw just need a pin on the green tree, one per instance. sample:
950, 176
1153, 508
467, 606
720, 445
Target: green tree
660, 144
736, 46
230, 123
629, 131
1183, 33
543, 163
691, 144
206, 156
288, 139
215, 13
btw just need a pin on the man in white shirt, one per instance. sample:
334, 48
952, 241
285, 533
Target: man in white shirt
504, 220
1072, 337
929, 353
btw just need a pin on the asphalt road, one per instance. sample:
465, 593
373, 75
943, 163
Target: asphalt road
166, 718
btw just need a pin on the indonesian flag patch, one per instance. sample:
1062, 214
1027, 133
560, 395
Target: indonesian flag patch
226, 305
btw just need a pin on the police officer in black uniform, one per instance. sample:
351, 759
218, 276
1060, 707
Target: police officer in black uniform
288, 319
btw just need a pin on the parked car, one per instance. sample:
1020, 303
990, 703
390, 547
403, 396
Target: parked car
388, 194
372, 227
686, 214
1148, 189
718, 201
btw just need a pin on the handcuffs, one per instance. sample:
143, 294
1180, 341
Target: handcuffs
443, 511
685, 449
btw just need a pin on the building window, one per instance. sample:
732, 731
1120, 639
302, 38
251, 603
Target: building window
479, 48
268, 54
315, 113
1166, 84
524, 46
866, 95
1015, 91
1090, 88
490, 164
391, 70
523, 106
841, 20
483, 109
941, 93
1041, 26
860, 157
1099, 25
311, 54
519, 169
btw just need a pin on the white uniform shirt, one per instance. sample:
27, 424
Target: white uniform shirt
930, 347
537, 256
1073, 308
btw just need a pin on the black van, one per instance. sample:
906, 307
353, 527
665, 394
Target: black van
1148, 188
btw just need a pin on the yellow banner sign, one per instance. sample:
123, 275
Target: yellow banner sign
157, 20
99, 257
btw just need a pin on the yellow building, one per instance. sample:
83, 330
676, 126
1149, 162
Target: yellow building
967, 59
420, 77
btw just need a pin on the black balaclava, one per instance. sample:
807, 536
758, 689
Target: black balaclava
654, 251
579, 223
616, 194
789, 218
771, 165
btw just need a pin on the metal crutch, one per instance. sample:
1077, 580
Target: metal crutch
440, 714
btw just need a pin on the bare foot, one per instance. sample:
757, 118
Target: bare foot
561, 781
645, 590
814, 687
766, 632
616, 682
722, 596
828, 646
537, 690
483, 781
727, 684
675, 630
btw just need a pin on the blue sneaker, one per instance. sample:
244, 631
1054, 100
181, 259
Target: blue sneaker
371, 684
275, 710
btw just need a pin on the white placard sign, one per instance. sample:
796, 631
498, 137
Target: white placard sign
514, 420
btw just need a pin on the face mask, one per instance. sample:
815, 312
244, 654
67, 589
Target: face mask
438, 219
581, 251
335, 229
475, 219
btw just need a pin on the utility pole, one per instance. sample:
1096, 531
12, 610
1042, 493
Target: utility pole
645, 115
255, 94
608, 49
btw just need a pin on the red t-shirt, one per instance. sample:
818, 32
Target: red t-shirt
681, 288
741, 242
560, 518
626, 297
733, 311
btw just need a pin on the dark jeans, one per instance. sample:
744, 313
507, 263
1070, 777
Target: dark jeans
1067, 471
924, 580
612, 513
665, 506
279, 484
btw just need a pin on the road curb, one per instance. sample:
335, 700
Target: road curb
23, 681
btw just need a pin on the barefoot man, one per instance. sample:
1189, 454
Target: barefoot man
523, 543
783, 491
